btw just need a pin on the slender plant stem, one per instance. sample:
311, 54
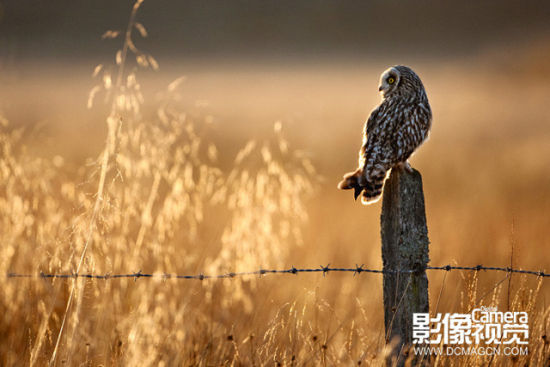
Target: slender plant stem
109, 148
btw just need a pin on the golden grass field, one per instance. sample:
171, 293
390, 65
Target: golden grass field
235, 168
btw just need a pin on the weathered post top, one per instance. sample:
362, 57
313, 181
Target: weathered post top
404, 247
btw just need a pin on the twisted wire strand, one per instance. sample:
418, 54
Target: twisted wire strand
322, 269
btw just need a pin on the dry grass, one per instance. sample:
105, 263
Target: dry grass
178, 188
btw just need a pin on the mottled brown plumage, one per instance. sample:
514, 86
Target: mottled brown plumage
394, 130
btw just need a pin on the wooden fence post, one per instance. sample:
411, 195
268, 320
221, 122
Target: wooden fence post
404, 247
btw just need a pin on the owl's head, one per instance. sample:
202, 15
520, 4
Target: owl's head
399, 80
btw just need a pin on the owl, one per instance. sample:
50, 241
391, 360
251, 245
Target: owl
393, 132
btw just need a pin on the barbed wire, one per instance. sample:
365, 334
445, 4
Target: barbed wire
295, 271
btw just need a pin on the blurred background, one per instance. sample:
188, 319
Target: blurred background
284, 29
312, 67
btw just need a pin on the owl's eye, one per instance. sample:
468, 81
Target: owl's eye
391, 80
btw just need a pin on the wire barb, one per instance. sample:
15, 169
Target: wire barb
358, 269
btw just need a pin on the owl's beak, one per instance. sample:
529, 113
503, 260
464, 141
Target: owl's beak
380, 88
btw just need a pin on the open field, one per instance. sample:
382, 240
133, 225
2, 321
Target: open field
177, 198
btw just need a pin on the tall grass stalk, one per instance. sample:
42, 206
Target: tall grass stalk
110, 145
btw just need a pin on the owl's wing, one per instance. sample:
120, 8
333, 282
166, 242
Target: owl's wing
374, 120
369, 135
411, 131
355, 180
376, 136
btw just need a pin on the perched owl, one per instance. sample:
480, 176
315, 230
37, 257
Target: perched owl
394, 130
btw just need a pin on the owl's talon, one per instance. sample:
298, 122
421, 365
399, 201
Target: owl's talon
406, 166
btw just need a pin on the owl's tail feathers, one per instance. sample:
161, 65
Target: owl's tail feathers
373, 190
351, 181
370, 191
371, 196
